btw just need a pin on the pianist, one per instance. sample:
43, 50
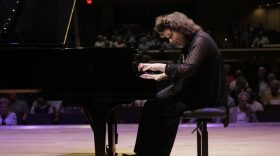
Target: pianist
198, 81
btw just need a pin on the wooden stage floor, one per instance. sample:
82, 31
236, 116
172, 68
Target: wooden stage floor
257, 139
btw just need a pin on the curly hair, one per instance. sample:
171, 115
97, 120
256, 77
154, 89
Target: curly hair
176, 21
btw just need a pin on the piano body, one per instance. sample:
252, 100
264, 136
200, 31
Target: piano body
97, 79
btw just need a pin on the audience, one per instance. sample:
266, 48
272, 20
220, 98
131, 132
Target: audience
238, 85
239, 82
235, 36
271, 76
41, 106
6, 117
247, 108
100, 43
260, 40
259, 83
229, 76
18, 106
233, 109
272, 96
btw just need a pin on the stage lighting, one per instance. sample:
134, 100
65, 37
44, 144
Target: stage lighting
89, 2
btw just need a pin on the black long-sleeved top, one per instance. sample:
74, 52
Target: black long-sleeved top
200, 80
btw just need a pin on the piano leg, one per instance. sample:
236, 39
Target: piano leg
98, 125
112, 134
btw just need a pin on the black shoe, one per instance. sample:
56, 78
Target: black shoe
130, 154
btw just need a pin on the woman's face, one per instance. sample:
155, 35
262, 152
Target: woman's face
176, 38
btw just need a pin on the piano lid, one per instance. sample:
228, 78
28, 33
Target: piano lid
35, 22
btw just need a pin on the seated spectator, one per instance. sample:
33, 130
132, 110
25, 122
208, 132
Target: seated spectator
243, 41
253, 103
143, 44
6, 117
233, 109
238, 85
100, 42
271, 76
260, 40
253, 95
239, 81
41, 106
229, 76
260, 85
119, 43
272, 96
18, 106
247, 108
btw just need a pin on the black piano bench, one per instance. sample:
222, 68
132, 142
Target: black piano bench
203, 116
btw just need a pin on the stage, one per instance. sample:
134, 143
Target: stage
256, 139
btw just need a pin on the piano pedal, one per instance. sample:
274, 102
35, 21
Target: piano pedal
110, 153
116, 138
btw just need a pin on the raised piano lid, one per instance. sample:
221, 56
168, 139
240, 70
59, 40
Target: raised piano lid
35, 22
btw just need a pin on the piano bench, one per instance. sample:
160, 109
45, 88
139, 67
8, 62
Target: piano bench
203, 116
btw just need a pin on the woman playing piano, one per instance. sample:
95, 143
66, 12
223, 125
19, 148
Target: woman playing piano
198, 81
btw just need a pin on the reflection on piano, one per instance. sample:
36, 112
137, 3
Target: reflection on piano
99, 80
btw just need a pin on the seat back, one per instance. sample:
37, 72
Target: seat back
40, 119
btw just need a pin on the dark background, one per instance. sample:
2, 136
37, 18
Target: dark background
45, 22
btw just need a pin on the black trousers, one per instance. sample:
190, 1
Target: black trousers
159, 124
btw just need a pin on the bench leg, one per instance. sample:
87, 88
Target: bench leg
204, 149
198, 139
202, 139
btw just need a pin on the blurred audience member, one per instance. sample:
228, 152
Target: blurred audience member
260, 40
238, 85
233, 109
238, 79
259, 83
255, 105
247, 108
143, 44
100, 42
41, 106
272, 96
229, 76
6, 117
20, 107
119, 43
244, 38
270, 77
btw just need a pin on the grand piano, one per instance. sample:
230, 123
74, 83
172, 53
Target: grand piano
35, 55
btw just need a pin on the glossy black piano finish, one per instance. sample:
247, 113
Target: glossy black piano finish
98, 79
94, 73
